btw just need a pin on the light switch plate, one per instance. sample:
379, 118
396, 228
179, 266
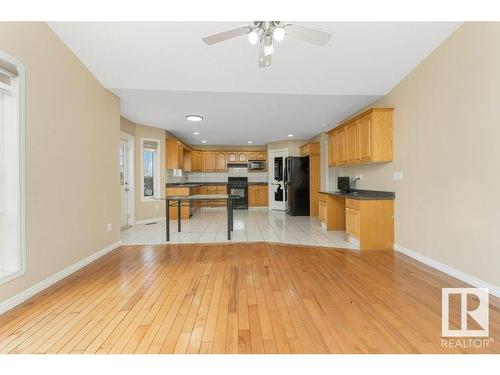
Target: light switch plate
397, 176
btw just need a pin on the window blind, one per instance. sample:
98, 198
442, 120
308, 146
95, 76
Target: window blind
150, 145
7, 74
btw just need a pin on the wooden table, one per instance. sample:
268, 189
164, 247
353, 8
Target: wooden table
198, 197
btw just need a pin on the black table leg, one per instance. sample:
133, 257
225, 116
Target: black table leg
179, 215
167, 218
229, 219
232, 214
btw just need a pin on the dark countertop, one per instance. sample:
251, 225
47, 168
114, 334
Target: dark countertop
364, 194
182, 185
194, 184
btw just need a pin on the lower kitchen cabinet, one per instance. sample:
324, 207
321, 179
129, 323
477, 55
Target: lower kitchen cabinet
182, 191
258, 196
331, 212
371, 222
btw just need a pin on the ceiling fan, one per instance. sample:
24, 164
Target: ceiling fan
265, 31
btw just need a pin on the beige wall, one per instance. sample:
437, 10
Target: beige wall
127, 126
292, 146
446, 142
72, 142
146, 210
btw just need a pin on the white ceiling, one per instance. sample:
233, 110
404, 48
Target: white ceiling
163, 71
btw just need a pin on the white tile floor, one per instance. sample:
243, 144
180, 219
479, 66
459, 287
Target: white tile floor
249, 226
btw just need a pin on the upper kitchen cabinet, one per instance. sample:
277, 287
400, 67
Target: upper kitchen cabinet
220, 162
310, 148
196, 162
208, 161
367, 138
258, 155
351, 143
187, 164
232, 157
242, 157
174, 154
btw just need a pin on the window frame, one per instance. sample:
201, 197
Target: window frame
7, 275
156, 172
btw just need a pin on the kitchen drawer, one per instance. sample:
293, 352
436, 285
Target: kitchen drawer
211, 189
352, 203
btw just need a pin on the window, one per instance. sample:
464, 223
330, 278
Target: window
12, 250
150, 168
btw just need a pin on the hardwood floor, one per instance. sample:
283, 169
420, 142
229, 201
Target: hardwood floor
239, 298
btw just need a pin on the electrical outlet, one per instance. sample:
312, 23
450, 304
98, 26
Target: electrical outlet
110, 227
359, 177
397, 176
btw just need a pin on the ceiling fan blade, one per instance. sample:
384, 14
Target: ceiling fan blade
225, 35
264, 61
308, 35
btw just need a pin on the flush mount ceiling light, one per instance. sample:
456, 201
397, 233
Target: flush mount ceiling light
196, 133
249, 142
267, 31
194, 118
290, 135
203, 141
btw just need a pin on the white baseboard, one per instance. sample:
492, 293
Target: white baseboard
37, 288
153, 220
474, 281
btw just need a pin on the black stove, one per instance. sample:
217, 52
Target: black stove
238, 186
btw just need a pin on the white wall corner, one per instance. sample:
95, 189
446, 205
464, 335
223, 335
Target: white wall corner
37, 288
453, 272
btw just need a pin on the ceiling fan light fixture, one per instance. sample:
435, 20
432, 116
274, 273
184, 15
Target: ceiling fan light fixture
279, 34
268, 46
253, 37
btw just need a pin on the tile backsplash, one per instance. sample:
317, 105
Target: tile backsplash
177, 176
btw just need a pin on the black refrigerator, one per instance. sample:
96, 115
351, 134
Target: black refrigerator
297, 185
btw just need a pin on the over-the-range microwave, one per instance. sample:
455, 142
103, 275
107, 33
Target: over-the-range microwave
256, 165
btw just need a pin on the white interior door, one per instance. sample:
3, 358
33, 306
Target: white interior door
277, 194
124, 182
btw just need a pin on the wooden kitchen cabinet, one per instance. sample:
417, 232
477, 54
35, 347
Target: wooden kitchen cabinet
220, 162
367, 138
351, 143
341, 154
331, 211
196, 161
258, 196
208, 163
174, 154
187, 161
310, 148
332, 156
242, 157
182, 191
352, 222
258, 155
232, 157
263, 196
371, 222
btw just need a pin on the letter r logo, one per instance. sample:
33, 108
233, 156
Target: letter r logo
480, 314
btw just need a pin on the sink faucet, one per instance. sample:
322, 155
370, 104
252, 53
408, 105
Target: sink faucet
353, 183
